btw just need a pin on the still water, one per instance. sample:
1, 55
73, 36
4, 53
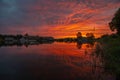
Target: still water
57, 61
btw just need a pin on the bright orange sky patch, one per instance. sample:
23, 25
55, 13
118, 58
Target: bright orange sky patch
57, 18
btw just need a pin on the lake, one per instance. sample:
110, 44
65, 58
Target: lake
56, 61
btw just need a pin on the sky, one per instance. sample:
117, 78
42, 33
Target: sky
57, 18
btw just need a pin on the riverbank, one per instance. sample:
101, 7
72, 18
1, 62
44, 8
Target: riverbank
111, 52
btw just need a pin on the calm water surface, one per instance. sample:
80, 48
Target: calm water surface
57, 61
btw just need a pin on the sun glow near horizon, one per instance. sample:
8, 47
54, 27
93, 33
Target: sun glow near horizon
57, 18
63, 31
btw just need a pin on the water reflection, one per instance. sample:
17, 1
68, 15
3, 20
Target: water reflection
9, 43
79, 45
56, 61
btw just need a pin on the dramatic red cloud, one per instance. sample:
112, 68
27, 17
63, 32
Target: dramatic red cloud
57, 18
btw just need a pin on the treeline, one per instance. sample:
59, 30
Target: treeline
24, 39
79, 38
38, 39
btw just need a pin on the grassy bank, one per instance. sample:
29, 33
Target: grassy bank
111, 51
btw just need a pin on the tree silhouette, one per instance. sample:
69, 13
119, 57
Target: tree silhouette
115, 23
79, 35
90, 35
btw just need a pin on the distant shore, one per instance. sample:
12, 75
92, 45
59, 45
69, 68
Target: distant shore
35, 40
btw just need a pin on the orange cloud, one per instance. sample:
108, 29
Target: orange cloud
57, 18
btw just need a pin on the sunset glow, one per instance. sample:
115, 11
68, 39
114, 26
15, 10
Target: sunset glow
57, 18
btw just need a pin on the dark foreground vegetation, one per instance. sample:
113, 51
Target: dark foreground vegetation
111, 47
111, 53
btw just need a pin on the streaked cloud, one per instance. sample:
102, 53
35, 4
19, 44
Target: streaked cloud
20, 16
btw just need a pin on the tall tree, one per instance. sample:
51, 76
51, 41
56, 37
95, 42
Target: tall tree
115, 23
